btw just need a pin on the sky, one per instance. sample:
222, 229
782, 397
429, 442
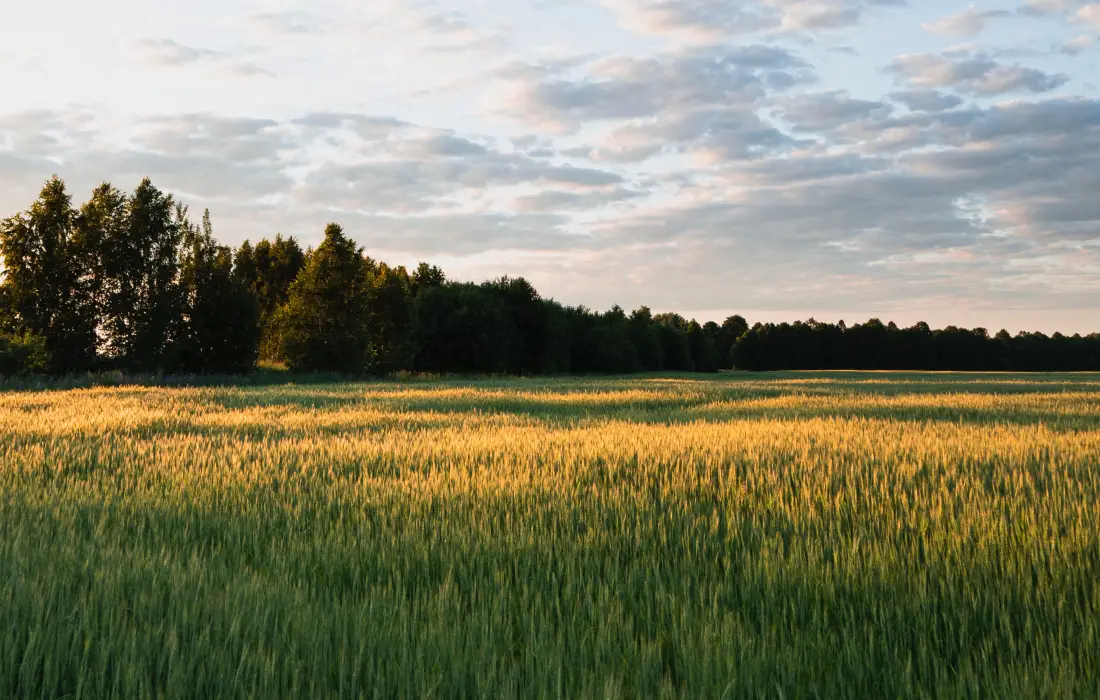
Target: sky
837, 159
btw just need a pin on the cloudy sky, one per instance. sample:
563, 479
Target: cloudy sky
927, 159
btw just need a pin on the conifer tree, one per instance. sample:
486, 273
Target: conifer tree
323, 325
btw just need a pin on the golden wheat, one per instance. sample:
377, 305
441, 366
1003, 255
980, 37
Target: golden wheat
837, 535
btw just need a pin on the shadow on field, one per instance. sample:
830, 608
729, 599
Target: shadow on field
680, 412
1060, 402
426, 415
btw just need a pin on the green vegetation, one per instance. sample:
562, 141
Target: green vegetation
130, 283
796, 535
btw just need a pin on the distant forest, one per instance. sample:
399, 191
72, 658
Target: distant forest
130, 282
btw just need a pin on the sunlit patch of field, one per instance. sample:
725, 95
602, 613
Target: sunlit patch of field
791, 535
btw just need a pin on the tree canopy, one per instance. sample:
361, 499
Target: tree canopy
129, 281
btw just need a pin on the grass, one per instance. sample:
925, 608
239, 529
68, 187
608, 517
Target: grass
832, 535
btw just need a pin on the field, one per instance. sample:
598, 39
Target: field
774, 536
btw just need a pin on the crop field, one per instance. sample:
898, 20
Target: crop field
832, 535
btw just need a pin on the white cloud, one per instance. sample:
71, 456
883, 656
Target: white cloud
973, 73
970, 22
926, 100
1078, 44
1090, 14
711, 21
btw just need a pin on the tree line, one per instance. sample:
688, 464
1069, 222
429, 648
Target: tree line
132, 282
813, 345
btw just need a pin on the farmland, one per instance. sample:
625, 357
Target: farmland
794, 535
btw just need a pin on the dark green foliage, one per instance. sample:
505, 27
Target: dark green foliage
219, 328
527, 316
704, 356
646, 340
278, 263
425, 277
324, 324
877, 346
128, 282
713, 333
245, 269
22, 354
675, 347
505, 327
98, 227
41, 277
730, 331
8, 320
267, 271
461, 328
596, 346
616, 352
557, 354
143, 304
613, 351
748, 352
389, 317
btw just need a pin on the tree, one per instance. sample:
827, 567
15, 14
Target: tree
713, 332
278, 263
40, 280
557, 354
245, 269
143, 304
8, 320
99, 225
22, 354
219, 330
130, 281
527, 313
647, 344
324, 321
611, 337
267, 271
731, 330
675, 349
704, 357
426, 277
1002, 351
750, 352
461, 328
389, 318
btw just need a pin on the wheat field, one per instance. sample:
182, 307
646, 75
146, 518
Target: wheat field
838, 535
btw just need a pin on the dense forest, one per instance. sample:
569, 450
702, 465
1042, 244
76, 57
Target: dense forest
131, 282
